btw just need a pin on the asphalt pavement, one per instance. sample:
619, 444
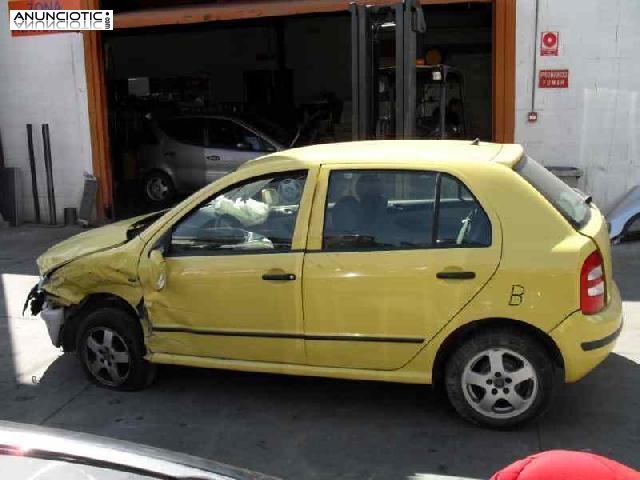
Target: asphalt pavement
305, 428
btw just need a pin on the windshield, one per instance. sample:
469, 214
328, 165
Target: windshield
569, 202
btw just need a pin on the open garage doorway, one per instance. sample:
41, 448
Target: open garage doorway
188, 104
459, 37
175, 74
422, 72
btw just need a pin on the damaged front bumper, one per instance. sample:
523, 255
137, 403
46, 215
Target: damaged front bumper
53, 318
52, 315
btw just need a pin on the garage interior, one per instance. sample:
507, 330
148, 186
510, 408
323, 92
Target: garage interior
288, 76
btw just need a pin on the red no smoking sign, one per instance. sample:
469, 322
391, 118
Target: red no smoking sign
549, 43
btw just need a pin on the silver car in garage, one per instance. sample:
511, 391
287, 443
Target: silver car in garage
182, 154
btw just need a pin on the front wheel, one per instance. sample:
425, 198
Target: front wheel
500, 379
111, 349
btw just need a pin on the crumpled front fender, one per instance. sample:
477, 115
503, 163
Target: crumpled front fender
112, 271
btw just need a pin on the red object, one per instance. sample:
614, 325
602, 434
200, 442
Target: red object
42, 5
554, 79
549, 44
592, 284
532, 117
566, 465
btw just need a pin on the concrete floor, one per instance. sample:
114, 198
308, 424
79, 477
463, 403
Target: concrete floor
305, 427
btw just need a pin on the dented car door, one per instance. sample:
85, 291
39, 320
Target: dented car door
224, 280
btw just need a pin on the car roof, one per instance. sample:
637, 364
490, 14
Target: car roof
386, 151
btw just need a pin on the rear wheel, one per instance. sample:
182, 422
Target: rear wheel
159, 188
111, 349
500, 379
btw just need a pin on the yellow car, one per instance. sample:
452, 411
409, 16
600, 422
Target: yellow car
465, 265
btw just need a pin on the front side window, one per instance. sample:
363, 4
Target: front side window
255, 216
388, 209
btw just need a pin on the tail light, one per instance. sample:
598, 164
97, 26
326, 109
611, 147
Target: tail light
593, 289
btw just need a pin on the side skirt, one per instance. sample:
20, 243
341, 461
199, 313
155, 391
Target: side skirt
398, 376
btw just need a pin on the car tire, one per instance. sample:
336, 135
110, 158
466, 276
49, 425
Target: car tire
158, 188
111, 350
500, 379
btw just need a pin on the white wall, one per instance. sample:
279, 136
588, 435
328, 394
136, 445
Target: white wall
595, 124
42, 80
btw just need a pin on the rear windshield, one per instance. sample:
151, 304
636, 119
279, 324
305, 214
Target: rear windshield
570, 203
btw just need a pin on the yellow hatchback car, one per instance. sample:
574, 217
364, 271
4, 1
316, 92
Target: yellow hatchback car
449, 262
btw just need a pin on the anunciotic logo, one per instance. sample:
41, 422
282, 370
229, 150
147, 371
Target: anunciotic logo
60, 20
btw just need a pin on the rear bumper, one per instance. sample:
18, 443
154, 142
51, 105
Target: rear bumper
586, 340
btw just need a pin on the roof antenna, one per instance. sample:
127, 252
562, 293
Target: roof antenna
476, 141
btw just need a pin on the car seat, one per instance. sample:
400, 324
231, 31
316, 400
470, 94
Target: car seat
345, 216
373, 206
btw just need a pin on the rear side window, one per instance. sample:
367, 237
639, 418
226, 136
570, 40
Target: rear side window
389, 209
565, 199
185, 130
461, 219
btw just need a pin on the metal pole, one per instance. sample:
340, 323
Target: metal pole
443, 105
48, 165
414, 24
355, 72
535, 58
34, 178
364, 61
400, 82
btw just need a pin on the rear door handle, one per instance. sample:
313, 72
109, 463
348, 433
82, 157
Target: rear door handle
449, 275
283, 277
213, 158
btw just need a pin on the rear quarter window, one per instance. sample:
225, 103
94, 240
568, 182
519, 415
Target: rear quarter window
566, 200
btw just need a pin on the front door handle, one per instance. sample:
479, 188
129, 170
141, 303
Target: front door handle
453, 275
286, 277
213, 158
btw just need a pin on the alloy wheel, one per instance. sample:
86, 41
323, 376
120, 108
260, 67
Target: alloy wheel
107, 356
157, 189
499, 383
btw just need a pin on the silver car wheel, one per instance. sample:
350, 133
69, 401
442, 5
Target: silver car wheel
499, 383
107, 356
157, 188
